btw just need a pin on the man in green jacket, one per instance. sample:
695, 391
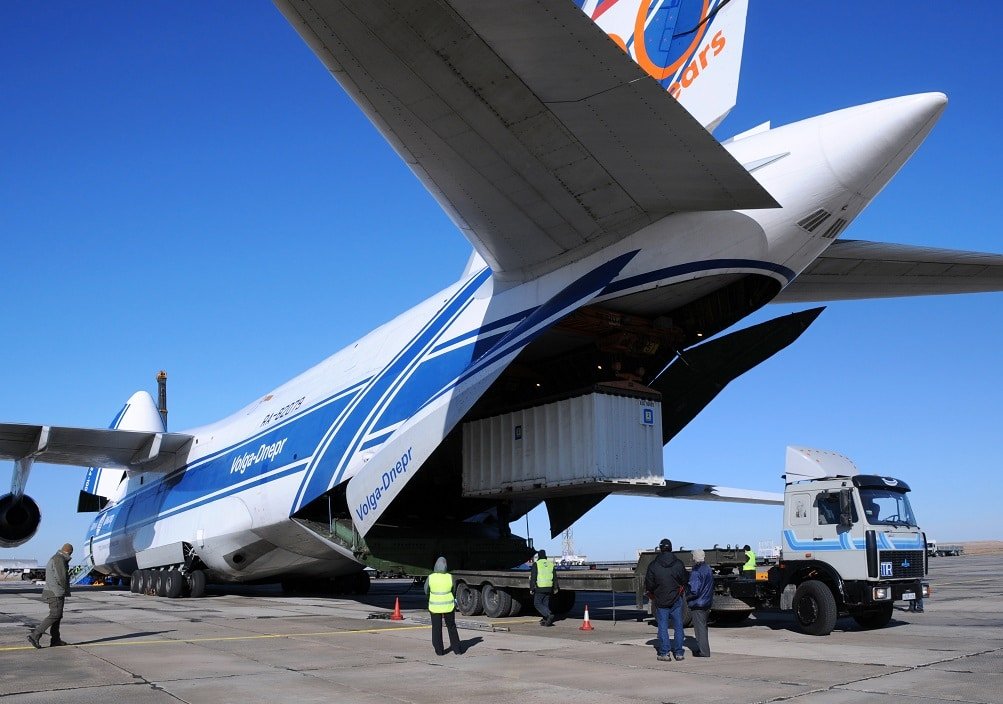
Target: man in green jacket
57, 588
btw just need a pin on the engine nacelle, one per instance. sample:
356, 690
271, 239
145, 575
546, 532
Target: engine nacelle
19, 519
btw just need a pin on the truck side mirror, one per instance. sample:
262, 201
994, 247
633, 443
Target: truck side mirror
845, 508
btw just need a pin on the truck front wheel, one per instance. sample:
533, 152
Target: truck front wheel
815, 608
878, 618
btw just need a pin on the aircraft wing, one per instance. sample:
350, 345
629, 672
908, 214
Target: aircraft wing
853, 269
674, 489
528, 124
87, 447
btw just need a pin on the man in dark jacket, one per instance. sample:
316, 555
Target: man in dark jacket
664, 582
57, 588
700, 596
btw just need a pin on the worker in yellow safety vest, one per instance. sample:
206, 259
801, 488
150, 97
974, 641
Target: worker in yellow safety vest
441, 605
749, 568
542, 585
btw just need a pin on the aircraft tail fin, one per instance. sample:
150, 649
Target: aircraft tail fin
102, 483
692, 47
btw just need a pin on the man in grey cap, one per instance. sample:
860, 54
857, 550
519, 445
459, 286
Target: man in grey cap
699, 598
57, 588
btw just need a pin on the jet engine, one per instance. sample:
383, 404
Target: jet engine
19, 519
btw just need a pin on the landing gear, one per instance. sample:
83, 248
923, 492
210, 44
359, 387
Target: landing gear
172, 583
195, 581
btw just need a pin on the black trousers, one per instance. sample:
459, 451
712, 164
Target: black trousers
51, 621
454, 637
541, 600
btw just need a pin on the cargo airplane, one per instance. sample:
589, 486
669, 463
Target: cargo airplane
615, 240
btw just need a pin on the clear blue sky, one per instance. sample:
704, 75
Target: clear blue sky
183, 186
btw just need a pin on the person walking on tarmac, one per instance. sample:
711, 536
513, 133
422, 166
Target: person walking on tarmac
542, 585
442, 605
749, 568
664, 582
700, 597
57, 588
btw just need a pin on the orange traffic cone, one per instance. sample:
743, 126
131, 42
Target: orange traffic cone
586, 624
397, 615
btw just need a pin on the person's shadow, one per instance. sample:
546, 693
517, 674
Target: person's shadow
468, 644
139, 634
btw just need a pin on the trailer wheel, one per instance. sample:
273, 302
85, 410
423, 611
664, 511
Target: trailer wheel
687, 615
497, 602
869, 620
468, 599
361, 583
815, 608
726, 610
516, 607
562, 602
730, 618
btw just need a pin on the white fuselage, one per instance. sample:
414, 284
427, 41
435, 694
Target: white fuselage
246, 474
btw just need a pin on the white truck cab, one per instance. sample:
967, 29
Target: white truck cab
851, 545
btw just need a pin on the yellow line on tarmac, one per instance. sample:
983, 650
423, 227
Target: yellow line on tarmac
225, 638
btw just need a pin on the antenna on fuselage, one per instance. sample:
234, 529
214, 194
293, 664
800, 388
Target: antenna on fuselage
162, 396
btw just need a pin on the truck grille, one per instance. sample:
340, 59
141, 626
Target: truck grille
905, 564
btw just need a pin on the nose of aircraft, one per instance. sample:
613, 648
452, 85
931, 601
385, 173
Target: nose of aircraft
866, 145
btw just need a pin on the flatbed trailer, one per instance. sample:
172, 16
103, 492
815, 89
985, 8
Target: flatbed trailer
501, 593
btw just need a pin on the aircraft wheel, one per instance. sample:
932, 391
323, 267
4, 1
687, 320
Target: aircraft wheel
135, 582
173, 584
196, 584
497, 602
160, 582
145, 582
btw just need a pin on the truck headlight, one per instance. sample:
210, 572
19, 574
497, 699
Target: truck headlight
881, 593
925, 591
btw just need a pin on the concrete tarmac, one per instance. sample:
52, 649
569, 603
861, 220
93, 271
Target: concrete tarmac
249, 645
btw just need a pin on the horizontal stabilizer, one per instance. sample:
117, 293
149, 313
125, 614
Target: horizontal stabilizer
701, 373
529, 126
93, 447
855, 269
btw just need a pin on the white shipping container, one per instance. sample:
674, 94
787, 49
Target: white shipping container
558, 447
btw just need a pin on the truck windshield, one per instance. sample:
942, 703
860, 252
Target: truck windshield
886, 507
